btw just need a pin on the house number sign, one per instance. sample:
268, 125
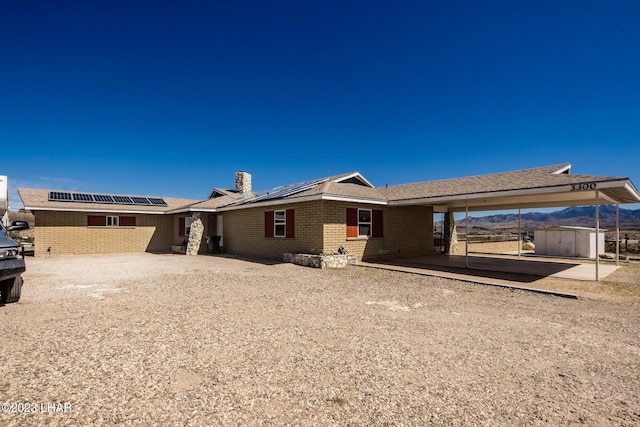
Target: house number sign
583, 186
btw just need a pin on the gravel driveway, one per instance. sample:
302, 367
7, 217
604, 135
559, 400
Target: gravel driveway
144, 339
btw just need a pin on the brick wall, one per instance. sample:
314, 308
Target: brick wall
321, 227
408, 231
244, 231
67, 233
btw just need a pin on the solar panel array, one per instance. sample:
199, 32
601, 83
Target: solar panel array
63, 196
283, 191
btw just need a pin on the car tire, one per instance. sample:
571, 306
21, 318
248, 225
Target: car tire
15, 290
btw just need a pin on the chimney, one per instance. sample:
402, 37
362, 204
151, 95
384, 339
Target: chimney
243, 183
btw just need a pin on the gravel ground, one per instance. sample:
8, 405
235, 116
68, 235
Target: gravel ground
145, 339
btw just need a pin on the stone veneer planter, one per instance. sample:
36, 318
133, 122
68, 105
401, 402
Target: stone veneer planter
322, 260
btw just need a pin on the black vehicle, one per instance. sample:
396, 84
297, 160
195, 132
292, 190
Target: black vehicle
11, 263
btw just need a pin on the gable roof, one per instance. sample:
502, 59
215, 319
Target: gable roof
219, 192
306, 188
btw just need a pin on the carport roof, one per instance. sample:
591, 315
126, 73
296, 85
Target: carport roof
548, 186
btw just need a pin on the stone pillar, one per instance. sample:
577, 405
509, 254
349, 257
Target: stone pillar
450, 235
195, 236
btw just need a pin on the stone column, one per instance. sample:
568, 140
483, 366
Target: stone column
450, 235
195, 236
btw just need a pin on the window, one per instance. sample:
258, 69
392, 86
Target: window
364, 223
280, 222
187, 225
111, 221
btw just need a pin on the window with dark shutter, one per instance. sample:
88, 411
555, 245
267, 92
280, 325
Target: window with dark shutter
181, 226
364, 223
96, 221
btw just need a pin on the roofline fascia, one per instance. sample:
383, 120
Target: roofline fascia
337, 198
270, 203
509, 193
303, 199
632, 189
181, 210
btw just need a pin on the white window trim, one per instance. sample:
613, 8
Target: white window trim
114, 219
282, 222
370, 223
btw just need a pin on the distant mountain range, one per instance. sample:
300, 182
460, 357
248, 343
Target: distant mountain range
578, 216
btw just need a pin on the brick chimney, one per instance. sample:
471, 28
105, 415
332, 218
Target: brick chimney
243, 183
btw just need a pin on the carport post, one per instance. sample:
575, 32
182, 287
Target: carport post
466, 234
617, 234
597, 236
519, 234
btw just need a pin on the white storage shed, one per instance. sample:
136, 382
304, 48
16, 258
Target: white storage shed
567, 241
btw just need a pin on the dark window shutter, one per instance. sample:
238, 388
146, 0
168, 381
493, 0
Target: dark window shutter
268, 224
291, 223
181, 226
352, 222
96, 220
128, 221
376, 218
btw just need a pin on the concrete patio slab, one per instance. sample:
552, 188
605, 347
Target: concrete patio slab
509, 269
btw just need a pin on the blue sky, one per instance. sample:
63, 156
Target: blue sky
171, 98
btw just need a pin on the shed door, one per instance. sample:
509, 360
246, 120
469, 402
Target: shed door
553, 242
568, 243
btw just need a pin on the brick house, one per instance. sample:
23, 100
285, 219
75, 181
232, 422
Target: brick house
314, 216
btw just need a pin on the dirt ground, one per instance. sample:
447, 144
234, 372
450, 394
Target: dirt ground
142, 339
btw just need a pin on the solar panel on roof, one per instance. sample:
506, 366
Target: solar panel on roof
81, 197
60, 196
157, 201
286, 190
123, 199
140, 200
103, 198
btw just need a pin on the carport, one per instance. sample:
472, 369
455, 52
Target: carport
551, 186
